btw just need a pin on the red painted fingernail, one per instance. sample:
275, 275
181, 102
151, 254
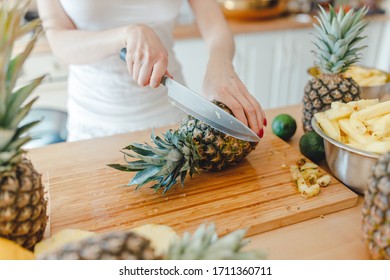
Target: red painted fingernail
261, 133
265, 122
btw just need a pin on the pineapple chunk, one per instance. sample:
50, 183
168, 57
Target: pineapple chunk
10, 250
373, 111
381, 127
341, 112
324, 180
357, 124
346, 127
331, 128
307, 178
379, 147
361, 104
160, 236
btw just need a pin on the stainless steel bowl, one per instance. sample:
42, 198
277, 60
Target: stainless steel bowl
253, 9
351, 166
381, 92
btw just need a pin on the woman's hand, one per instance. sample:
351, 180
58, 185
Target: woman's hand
222, 83
147, 58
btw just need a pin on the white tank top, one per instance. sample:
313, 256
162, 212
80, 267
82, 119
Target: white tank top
102, 97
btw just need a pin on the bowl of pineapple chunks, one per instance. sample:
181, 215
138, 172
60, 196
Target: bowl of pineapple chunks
373, 83
355, 135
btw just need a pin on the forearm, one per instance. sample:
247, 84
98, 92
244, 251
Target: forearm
84, 47
214, 29
74, 46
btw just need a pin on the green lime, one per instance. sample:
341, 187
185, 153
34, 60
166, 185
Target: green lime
284, 126
311, 146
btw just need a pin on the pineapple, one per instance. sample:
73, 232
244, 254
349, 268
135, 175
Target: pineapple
193, 146
204, 244
22, 204
376, 210
336, 40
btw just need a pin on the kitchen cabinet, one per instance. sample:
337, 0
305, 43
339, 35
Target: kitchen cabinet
273, 65
271, 58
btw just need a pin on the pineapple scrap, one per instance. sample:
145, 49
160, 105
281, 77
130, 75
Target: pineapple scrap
308, 179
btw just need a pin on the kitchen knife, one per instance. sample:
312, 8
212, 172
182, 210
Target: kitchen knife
204, 110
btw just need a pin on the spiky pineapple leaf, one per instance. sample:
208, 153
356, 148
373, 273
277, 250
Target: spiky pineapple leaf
18, 143
122, 167
205, 244
18, 98
16, 64
21, 114
336, 35
25, 128
143, 175
6, 136
12, 111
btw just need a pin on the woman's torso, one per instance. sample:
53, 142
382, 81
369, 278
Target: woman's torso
103, 98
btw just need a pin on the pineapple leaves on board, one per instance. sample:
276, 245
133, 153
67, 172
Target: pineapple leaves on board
171, 159
337, 33
193, 146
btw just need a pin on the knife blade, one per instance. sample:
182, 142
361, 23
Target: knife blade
199, 107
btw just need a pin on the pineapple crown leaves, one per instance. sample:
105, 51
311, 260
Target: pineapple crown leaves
169, 161
336, 40
204, 244
12, 99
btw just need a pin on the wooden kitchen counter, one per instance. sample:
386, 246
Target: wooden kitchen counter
332, 236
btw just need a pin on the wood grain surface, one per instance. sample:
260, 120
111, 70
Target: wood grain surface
257, 194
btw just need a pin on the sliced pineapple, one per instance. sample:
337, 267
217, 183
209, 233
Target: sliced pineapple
308, 178
331, 128
160, 236
10, 250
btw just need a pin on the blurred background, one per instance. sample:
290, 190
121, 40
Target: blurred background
273, 52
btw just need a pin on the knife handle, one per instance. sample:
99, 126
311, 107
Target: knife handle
122, 55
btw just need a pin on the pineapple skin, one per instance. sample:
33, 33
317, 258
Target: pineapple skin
321, 91
376, 210
203, 244
23, 216
109, 246
216, 149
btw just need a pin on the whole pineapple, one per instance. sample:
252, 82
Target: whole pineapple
22, 204
336, 50
194, 145
376, 210
204, 244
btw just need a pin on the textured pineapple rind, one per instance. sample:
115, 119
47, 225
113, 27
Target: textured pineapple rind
23, 206
376, 210
203, 244
182, 152
217, 150
321, 91
125, 245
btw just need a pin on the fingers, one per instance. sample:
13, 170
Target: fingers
237, 109
245, 107
258, 114
147, 58
159, 70
148, 71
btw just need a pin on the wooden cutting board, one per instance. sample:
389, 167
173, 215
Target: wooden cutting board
257, 194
